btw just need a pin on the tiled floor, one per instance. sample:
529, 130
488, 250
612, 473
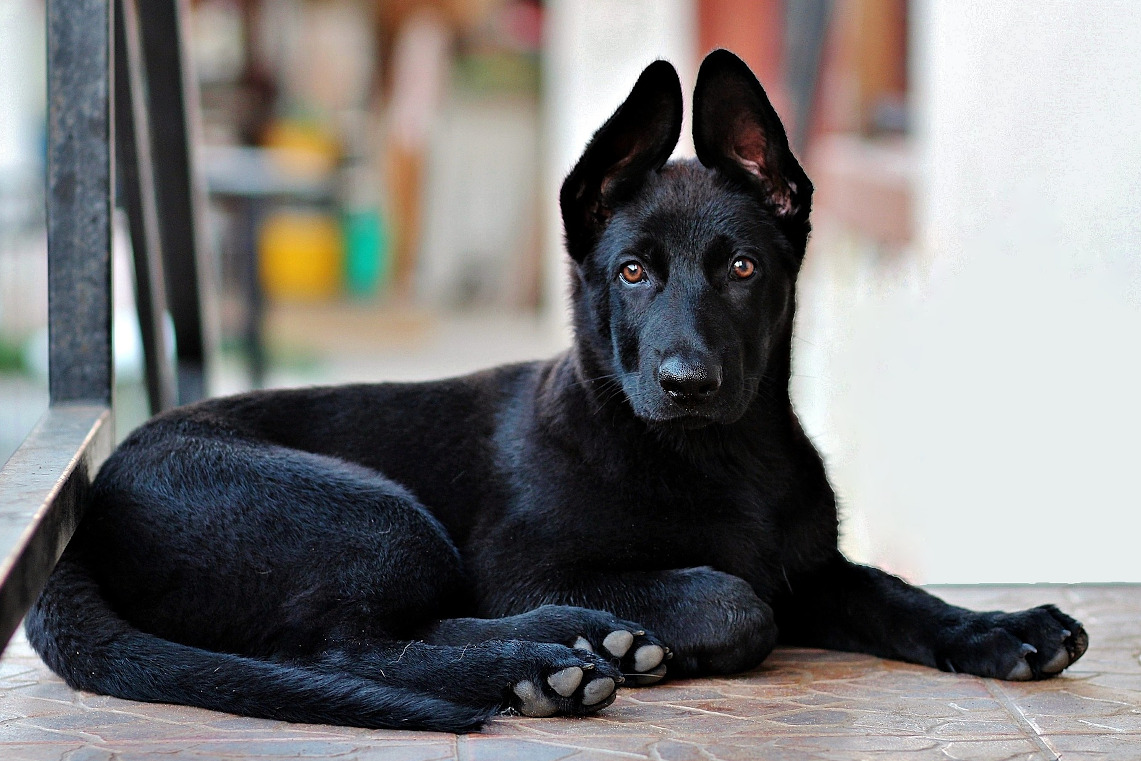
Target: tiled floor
801, 704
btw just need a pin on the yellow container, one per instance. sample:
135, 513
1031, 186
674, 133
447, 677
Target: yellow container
301, 256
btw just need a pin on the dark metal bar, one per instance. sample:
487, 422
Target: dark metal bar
181, 201
253, 332
44, 488
79, 200
136, 176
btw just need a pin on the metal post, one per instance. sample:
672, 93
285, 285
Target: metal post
181, 199
79, 200
136, 177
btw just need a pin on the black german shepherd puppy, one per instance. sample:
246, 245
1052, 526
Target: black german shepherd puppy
422, 555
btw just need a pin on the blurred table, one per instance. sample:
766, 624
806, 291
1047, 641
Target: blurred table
250, 182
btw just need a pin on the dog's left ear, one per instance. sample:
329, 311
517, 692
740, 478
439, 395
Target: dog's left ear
737, 131
636, 140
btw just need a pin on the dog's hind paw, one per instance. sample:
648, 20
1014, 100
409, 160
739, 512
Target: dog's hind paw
1031, 644
573, 684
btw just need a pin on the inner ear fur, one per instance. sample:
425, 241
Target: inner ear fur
737, 131
636, 140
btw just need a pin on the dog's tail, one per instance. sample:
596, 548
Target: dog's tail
82, 639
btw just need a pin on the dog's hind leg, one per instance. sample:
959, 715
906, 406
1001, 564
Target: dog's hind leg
243, 546
85, 641
537, 679
625, 643
233, 544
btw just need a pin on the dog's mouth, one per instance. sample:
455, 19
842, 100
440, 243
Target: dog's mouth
683, 417
689, 422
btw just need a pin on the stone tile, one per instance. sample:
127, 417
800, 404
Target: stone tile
1124, 747
1078, 708
992, 750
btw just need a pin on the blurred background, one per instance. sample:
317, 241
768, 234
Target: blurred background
383, 176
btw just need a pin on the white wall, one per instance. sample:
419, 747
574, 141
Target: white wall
22, 66
979, 398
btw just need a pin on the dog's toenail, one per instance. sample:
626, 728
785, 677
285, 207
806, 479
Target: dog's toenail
597, 690
565, 682
647, 657
1027, 648
1066, 634
618, 643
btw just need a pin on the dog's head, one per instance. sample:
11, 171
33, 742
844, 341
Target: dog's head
684, 271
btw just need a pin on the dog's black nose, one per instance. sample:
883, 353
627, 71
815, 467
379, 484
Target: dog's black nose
687, 381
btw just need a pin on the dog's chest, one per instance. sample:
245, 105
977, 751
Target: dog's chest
664, 519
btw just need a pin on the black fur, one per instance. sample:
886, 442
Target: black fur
408, 555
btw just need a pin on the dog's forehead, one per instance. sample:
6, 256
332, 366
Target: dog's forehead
685, 208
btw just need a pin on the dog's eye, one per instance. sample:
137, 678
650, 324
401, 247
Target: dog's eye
632, 272
742, 268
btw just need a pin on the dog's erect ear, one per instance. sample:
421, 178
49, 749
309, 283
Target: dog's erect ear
736, 130
637, 139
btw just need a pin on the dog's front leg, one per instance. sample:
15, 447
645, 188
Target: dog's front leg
712, 622
845, 606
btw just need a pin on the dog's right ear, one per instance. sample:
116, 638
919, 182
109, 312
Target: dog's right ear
737, 131
637, 139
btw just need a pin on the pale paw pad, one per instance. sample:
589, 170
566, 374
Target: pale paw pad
597, 690
648, 657
565, 682
1056, 664
1021, 672
618, 643
532, 701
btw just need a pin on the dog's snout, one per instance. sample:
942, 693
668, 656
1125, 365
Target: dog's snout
687, 381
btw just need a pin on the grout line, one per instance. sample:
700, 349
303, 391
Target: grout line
1020, 718
551, 741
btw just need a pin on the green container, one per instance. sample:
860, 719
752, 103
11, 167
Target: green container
367, 253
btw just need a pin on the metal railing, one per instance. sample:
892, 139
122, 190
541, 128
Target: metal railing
118, 97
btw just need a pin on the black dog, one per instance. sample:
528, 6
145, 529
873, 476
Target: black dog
310, 555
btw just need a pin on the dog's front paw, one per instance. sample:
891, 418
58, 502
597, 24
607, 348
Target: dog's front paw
569, 682
1031, 644
639, 654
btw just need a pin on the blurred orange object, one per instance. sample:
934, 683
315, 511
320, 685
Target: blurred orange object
301, 256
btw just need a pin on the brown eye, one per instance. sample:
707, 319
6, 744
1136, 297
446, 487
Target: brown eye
632, 272
743, 268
